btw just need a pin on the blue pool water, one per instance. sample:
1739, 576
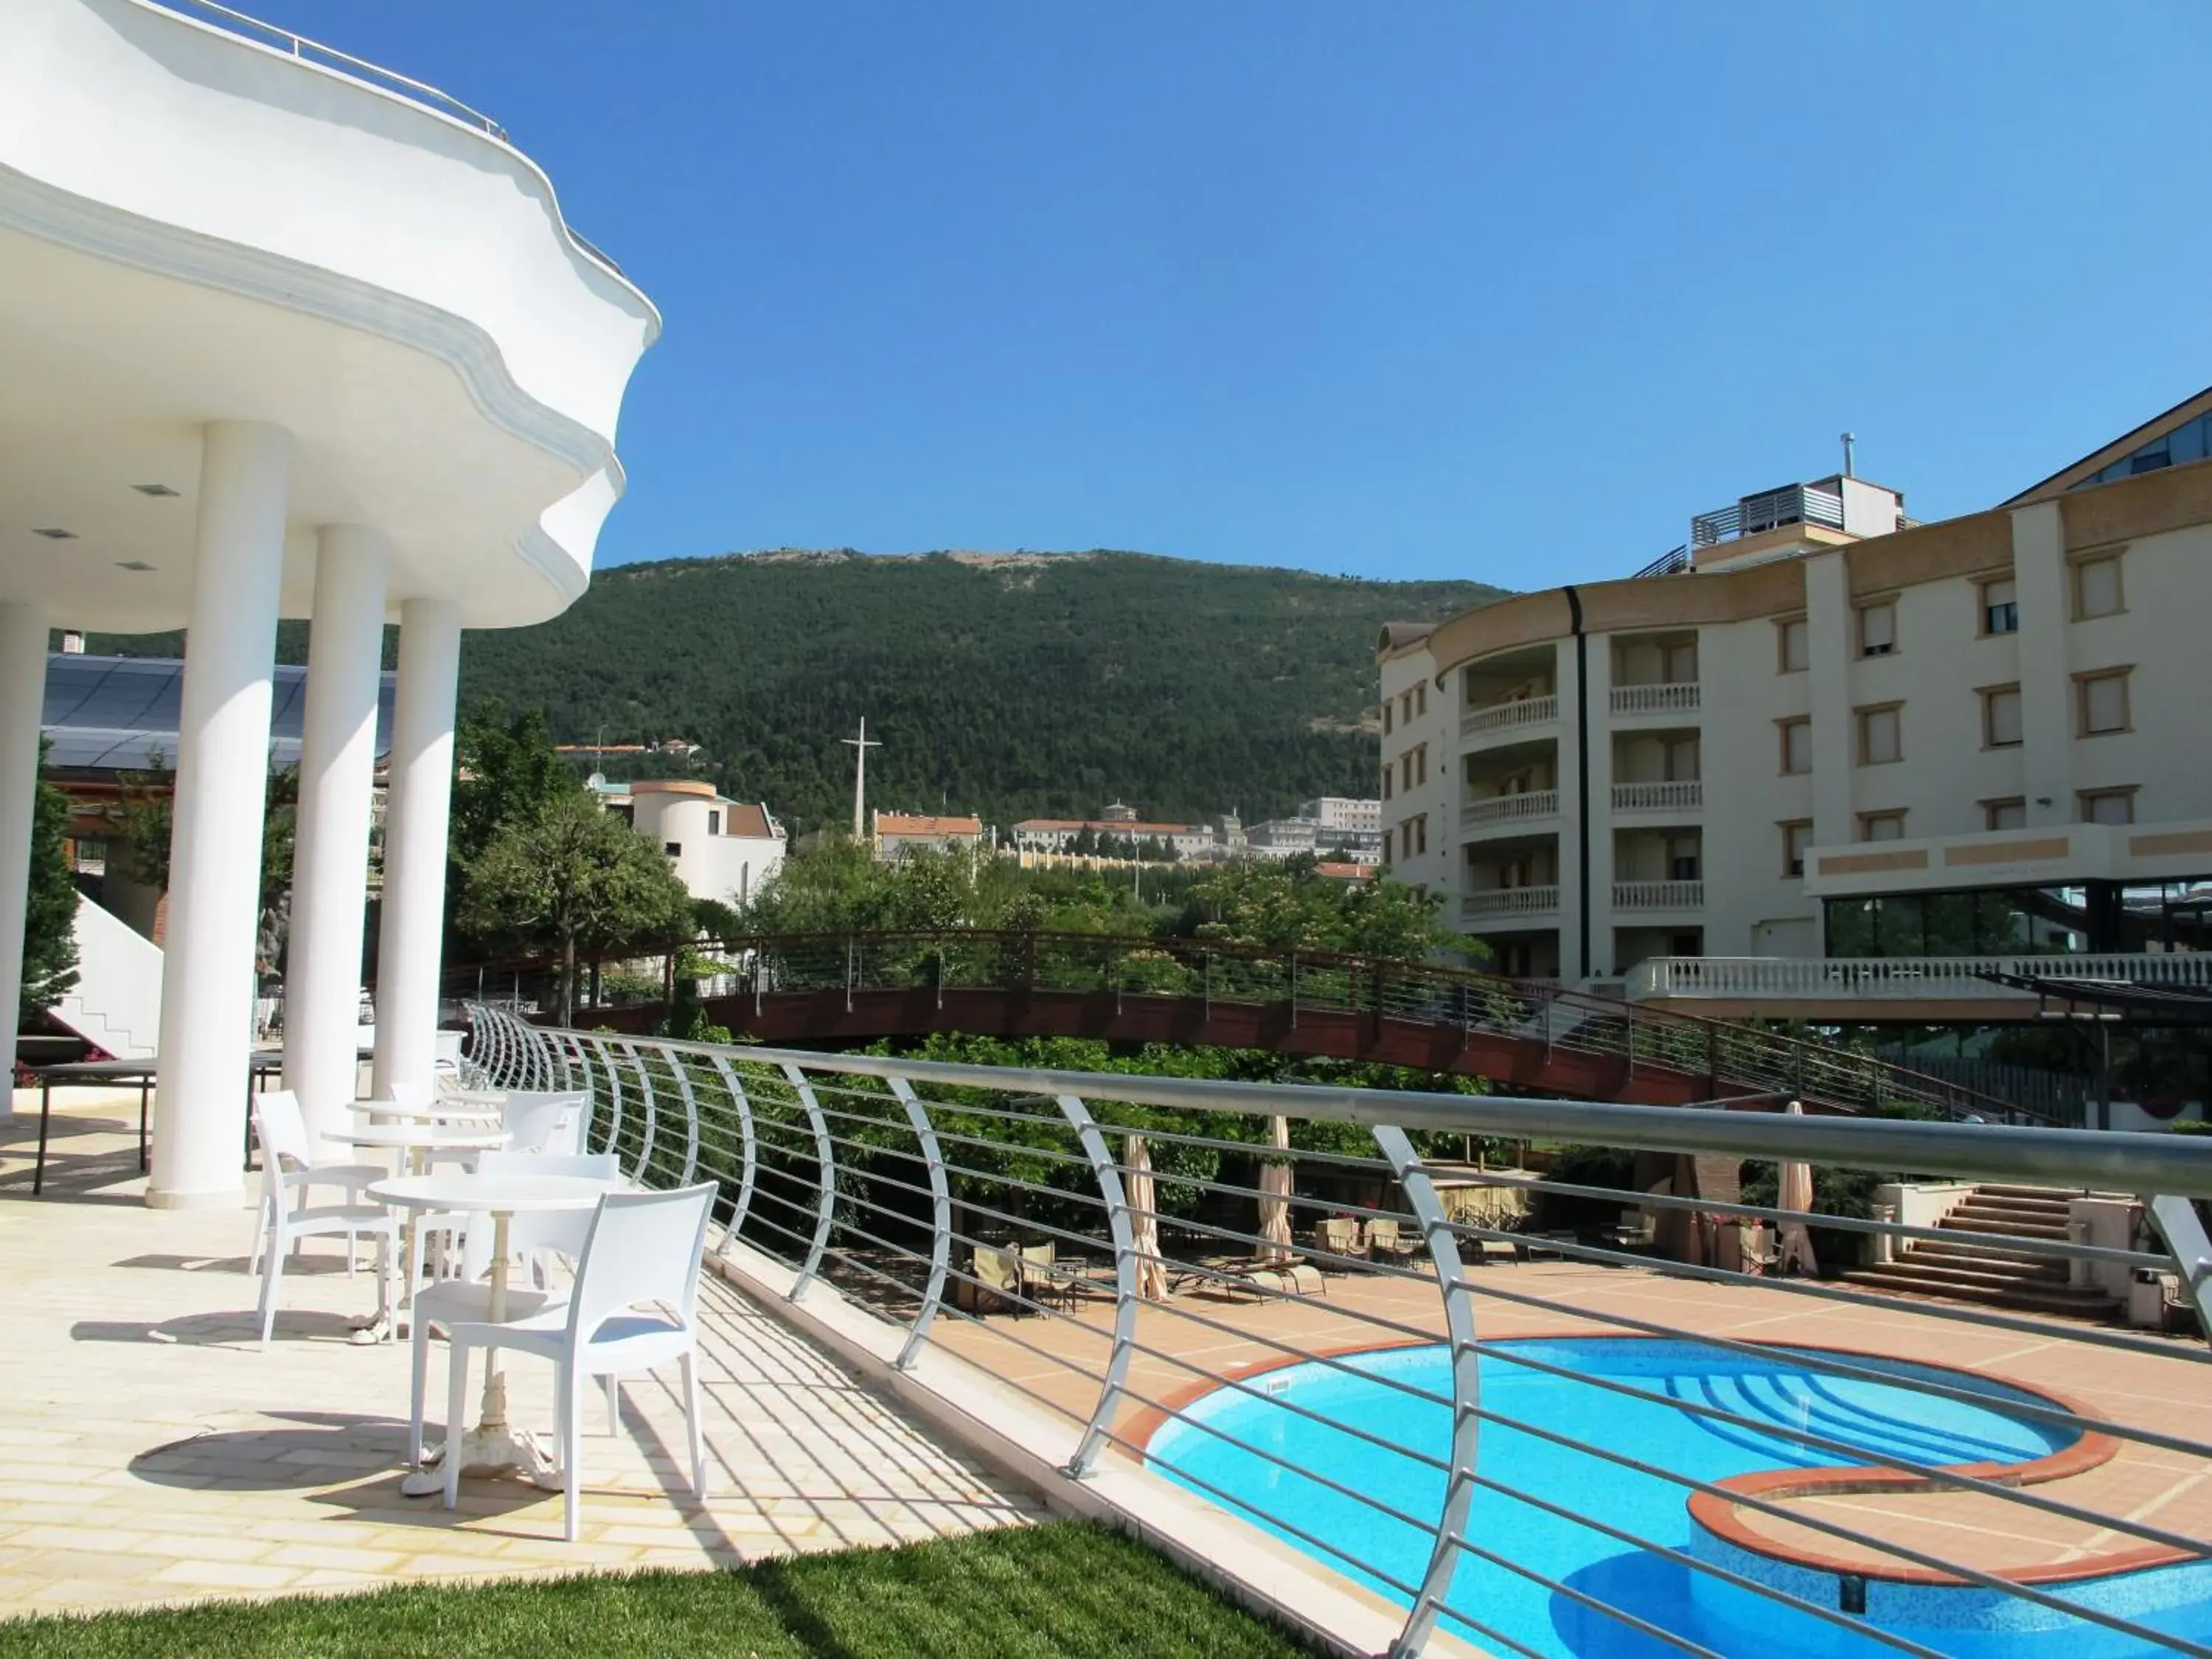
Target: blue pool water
1879, 1419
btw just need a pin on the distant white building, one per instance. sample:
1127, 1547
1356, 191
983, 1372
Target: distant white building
1326, 825
722, 849
1058, 834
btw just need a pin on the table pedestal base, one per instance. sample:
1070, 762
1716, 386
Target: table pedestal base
487, 1449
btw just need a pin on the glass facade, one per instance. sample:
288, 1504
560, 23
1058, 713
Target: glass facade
2019, 921
2190, 441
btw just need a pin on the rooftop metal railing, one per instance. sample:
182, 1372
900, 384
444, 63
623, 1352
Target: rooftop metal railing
299, 45
1770, 509
1717, 1474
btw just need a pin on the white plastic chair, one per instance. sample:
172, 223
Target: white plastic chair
529, 1240
544, 1120
275, 1115
285, 1148
642, 1252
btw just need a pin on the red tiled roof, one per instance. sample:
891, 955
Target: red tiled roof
1111, 826
916, 823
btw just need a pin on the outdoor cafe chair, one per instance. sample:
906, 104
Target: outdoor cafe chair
286, 1147
276, 1118
633, 1307
545, 1120
531, 1239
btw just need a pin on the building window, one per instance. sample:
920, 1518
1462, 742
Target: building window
2000, 607
2108, 806
1421, 698
713, 823
1386, 844
1421, 833
1796, 746
2001, 717
1683, 863
1385, 780
1405, 770
1681, 664
1878, 628
2097, 588
673, 848
1881, 737
1420, 764
1881, 826
1385, 717
2005, 814
2103, 701
1794, 640
1796, 838
1405, 706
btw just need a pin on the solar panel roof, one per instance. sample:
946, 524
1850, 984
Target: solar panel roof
121, 714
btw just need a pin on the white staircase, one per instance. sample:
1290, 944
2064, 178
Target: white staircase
117, 1004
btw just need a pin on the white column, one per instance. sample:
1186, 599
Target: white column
330, 859
214, 836
410, 937
22, 700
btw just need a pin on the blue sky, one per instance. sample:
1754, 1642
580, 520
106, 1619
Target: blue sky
1398, 287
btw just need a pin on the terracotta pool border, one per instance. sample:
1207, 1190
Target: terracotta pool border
1722, 1518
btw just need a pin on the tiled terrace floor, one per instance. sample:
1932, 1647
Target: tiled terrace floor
1986, 1532
149, 1452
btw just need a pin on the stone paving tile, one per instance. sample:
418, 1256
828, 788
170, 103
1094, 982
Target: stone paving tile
137, 1469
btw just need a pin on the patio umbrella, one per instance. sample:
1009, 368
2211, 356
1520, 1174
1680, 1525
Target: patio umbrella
1145, 1222
1796, 1194
1275, 1196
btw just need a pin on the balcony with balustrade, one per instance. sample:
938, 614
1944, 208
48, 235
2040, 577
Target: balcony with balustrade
1509, 814
1658, 895
1509, 698
1655, 674
1488, 906
1675, 796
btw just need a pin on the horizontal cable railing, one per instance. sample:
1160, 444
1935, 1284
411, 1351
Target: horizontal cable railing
1727, 1059
1546, 1410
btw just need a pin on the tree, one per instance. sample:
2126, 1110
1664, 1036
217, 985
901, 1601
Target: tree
50, 916
572, 877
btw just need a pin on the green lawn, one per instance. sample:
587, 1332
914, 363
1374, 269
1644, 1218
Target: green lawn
1065, 1590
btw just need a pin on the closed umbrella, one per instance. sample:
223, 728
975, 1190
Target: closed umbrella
1145, 1221
1275, 1196
1796, 1194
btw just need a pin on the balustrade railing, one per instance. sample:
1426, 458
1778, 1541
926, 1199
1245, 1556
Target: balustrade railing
1129, 1267
1510, 809
1658, 895
1672, 698
1680, 795
1510, 716
1919, 977
1509, 901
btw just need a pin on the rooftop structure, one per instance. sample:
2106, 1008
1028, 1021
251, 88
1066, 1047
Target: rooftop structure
722, 849
288, 336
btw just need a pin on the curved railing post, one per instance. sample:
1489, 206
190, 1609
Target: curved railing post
749, 1167
691, 1112
1110, 1391
614, 1097
940, 1228
651, 1131
827, 1208
1459, 1326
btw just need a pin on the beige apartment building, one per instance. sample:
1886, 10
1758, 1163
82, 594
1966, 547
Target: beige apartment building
1817, 700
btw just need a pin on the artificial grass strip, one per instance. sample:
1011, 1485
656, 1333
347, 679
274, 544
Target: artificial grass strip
1060, 1591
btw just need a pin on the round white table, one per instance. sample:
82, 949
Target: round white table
458, 1116
418, 1141
492, 1446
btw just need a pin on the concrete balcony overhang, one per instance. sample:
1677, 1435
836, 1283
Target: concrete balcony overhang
196, 227
2056, 855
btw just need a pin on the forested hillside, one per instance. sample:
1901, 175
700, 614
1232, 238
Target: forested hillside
1006, 684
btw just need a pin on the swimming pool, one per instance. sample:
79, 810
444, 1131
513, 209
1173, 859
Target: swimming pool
1778, 1387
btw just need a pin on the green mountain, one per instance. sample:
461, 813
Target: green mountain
1007, 685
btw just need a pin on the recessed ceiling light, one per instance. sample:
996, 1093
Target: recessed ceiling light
133, 564
153, 489
53, 534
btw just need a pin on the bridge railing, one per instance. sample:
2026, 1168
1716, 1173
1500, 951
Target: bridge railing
1737, 1060
1316, 1311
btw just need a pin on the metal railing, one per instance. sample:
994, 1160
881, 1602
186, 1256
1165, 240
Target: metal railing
298, 45
1770, 509
1675, 697
1493, 901
1510, 809
1679, 795
1168, 1271
1673, 563
1658, 895
1510, 716
1732, 1058
1883, 978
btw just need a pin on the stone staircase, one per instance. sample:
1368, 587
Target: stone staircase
1968, 1270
